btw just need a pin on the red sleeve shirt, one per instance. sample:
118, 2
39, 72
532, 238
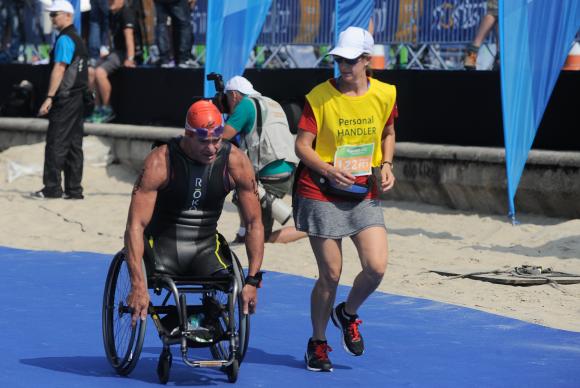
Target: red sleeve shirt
306, 186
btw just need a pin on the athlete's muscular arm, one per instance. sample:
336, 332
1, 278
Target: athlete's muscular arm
242, 173
153, 176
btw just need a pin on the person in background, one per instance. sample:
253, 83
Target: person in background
489, 21
122, 23
98, 30
11, 30
346, 141
64, 106
179, 13
265, 135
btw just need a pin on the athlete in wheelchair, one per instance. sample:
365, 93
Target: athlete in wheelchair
172, 248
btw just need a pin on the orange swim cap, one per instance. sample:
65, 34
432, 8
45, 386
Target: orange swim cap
205, 119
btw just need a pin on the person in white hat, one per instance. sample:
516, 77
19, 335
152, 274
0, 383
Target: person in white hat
64, 107
346, 141
265, 135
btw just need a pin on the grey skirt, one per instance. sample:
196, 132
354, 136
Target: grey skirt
336, 219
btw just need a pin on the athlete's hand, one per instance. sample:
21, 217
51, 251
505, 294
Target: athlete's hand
340, 177
250, 298
138, 302
387, 178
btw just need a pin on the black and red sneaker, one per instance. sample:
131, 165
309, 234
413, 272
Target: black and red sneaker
352, 340
316, 356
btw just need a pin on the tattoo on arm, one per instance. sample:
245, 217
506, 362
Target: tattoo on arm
138, 182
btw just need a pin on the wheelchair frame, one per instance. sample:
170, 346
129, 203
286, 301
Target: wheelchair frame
123, 343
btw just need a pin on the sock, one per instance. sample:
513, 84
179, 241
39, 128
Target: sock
472, 48
347, 315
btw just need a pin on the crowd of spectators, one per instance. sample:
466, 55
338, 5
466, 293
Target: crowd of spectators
26, 33
164, 37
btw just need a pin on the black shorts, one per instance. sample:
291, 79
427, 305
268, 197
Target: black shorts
207, 257
111, 62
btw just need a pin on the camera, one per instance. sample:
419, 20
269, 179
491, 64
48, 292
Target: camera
280, 211
220, 100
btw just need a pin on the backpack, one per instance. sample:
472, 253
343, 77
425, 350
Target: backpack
271, 139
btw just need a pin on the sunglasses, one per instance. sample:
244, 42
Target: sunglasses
350, 62
54, 14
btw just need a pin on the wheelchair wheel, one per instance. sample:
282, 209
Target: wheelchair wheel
221, 350
123, 343
164, 365
232, 371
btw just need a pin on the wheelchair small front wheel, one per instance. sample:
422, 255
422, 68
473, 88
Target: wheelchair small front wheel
232, 371
122, 341
164, 365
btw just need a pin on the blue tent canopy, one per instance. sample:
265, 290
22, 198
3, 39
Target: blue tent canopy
351, 13
535, 37
233, 28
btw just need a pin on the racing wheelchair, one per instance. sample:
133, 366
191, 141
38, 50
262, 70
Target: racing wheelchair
216, 321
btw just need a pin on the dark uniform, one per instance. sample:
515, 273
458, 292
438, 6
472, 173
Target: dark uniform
64, 139
182, 237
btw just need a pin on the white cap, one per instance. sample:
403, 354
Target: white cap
61, 6
353, 42
242, 85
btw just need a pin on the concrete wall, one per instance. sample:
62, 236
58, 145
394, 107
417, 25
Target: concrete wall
474, 178
129, 143
467, 178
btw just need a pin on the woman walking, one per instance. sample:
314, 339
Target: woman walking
346, 141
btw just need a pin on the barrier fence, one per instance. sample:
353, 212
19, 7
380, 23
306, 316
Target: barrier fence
413, 26
393, 22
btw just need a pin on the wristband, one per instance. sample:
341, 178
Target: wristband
255, 281
389, 163
51, 97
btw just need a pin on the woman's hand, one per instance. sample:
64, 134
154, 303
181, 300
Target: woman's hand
387, 177
339, 177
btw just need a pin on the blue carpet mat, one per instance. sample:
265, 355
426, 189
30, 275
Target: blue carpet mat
50, 336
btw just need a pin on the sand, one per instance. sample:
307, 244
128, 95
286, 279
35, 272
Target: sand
422, 238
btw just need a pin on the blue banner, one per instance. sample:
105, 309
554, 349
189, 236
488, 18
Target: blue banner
351, 13
77, 17
233, 28
535, 37
454, 21
393, 21
298, 22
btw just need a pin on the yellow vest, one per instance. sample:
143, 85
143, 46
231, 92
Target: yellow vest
346, 120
